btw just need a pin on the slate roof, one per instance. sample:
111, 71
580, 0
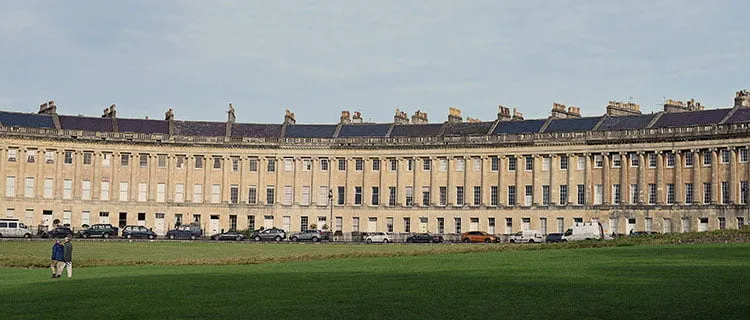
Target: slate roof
86, 123
522, 126
255, 130
626, 122
200, 128
467, 128
143, 126
310, 131
416, 130
365, 130
741, 115
572, 125
692, 118
31, 120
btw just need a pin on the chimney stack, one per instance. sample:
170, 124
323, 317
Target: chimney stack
357, 117
345, 117
672, 106
289, 118
230, 114
169, 115
560, 111
618, 108
454, 115
419, 117
48, 107
503, 113
110, 112
742, 99
400, 117
517, 115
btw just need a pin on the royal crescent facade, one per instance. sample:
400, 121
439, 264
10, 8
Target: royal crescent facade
678, 170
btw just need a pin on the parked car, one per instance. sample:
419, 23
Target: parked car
641, 233
12, 227
274, 234
554, 237
383, 237
584, 231
530, 236
58, 232
477, 236
130, 232
186, 231
425, 238
311, 235
100, 230
229, 235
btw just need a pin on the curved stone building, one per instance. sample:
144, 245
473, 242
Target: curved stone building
683, 169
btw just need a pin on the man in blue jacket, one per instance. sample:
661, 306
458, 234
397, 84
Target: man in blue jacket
57, 257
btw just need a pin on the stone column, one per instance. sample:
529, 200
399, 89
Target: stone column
587, 180
606, 180
569, 182
520, 189
679, 195
500, 185
642, 184
714, 176
697, 179
554, 189
733, 184
624, 181
660, 196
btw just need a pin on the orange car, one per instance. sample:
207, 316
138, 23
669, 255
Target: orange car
477, 236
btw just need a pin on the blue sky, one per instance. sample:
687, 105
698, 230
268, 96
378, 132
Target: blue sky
317, 58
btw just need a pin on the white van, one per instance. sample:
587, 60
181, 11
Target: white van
530, 236
11, 227
584, 231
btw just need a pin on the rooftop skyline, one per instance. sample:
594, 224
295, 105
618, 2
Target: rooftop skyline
317, 59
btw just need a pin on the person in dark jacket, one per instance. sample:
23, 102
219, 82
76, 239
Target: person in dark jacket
57, 258
67, 258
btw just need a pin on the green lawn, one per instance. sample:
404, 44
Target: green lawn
628, 282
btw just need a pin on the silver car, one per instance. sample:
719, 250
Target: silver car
311, 235
383, 237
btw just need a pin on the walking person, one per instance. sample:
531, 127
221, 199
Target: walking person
57, 257
67, 258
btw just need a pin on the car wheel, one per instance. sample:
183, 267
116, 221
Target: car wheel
257, 238
151, 236
294, 239
564, 240
128, 236
385, 240
238, 238
85, 235
27, 236
368, 240
487, 240
278, 238
315, 239
531, 241
466, 240
171, 237
192, 237
215, 238
105, 236
512, 241
409, 240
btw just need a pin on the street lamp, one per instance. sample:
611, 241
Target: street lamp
330, 222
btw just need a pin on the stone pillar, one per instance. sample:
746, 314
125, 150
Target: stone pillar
660, 187
642, 184
520, 188
569, 181
733, 184
606, 180
714, 176
500, 185
554, 190
679, 193
697, 179
588, 183
624, 181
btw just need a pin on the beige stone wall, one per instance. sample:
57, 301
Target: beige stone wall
298, 178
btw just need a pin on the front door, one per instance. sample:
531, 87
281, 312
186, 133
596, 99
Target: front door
159, 224
423, 224
214, 224
372, 225
47, 218
267, 222
123, 221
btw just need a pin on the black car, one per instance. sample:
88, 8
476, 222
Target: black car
130, 232
229, 235
554, 237
274, 234
188, 231
642, 233
58, 232
425, 238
